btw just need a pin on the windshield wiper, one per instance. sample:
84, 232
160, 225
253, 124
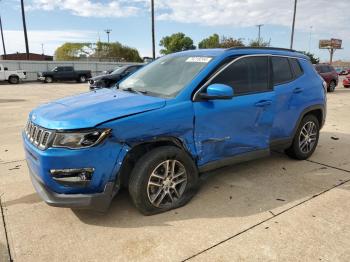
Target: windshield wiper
130, 89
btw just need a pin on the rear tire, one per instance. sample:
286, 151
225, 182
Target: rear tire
48, 79
13, 80
306, 138
82, 79
331, 86
163, 179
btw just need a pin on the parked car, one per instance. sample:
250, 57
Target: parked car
344, 72
182, 115
111, 79
346, 81
64, 73
13, 76
329, 75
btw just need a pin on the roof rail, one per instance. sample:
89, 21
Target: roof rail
267, 48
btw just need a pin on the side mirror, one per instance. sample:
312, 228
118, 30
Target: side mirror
217, 91
6, 69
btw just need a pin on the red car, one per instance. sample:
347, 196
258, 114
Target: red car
329, 75
346, 81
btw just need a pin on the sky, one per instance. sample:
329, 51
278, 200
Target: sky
54, 22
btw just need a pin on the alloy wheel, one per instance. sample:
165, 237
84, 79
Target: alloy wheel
167, 183
308, 137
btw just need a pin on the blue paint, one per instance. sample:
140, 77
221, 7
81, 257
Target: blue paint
208, 130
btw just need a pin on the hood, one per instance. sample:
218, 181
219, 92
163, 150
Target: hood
90, 109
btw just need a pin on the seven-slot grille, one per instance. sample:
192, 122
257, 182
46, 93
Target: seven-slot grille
37, 135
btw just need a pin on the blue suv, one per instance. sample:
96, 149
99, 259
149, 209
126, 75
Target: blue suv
183, 114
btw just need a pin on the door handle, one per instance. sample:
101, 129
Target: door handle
298, 90
263, 103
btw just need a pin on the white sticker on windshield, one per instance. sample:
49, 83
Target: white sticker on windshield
198, 59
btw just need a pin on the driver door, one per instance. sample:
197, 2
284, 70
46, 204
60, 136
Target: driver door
242, 125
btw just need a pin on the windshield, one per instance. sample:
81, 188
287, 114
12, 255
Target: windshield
166, 76
119, 70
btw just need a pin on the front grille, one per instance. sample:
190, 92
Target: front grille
37, 135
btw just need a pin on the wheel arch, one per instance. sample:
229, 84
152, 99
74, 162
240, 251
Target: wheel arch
13, 75
317, 110
137, 150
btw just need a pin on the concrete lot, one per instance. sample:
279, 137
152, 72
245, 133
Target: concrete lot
273, 209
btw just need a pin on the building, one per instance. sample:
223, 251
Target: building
23, 56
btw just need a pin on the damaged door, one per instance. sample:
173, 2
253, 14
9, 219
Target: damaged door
227, 128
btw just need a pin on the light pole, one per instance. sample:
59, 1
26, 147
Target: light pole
108, 31
259, 26
153, 33
310, 38
2, 37
293, 25
25, 29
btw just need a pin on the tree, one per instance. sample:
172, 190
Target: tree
100, 50
73, 51
314, 59
212, 41
175, 43
116, 51
228, 42
259, 43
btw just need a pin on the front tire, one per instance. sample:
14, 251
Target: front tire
306, 138
165, 178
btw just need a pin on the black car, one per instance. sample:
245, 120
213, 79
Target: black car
109, 80
64, 73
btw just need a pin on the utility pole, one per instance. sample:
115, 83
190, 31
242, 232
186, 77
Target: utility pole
2, 37
25, 29
259, 26
153, 33
108, 31
293, 25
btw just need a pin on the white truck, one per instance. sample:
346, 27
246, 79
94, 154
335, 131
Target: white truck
13, 77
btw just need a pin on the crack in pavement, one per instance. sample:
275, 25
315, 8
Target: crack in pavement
13, 161
278, 214
5, 229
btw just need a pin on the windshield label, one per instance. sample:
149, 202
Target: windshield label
198, 59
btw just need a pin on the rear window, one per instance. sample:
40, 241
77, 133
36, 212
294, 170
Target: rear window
281, 70
298, 71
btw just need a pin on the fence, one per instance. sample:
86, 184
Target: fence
33, 67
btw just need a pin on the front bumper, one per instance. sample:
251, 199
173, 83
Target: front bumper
41, 78
105, 158
98, 201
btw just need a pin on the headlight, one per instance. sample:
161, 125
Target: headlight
83, 139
